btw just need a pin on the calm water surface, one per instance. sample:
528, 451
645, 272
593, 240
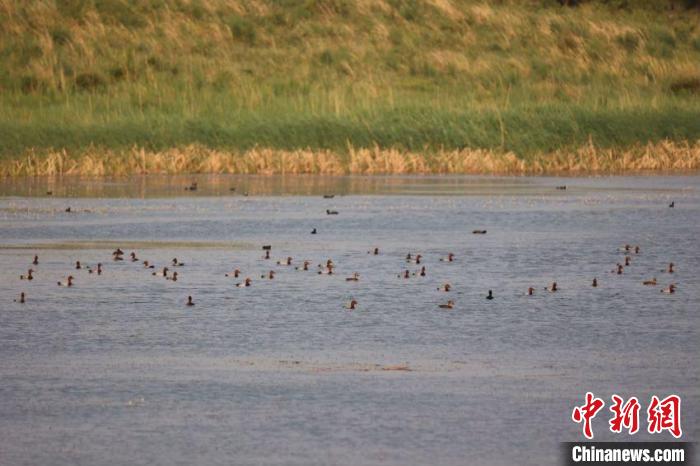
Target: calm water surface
117, 370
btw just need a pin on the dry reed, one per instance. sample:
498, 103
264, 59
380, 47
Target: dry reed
661, 156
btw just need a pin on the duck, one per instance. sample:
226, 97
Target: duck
561, 188
99, 269
672, 204
133, 257
406, 274
69, 281
163, 273
594, 284
450, 257
618, 269
670, 268
235, 273
490, 295
479, 232
287, 261
68, 209
313, 232
651, 282
244, 284
530, 291
422, 271
267, 254
29, 275
374, 252
177, 263
173, 278
147, 265
191, 187
636, 249
409, 257
331, 212
415, 260
352, 305
36, 260
448, 305
117, 254
627, 261
355, 278
189, 301
78, 266
21, 298
553, 287
270, 275
304, 267
670, 289
445, 287
328, 196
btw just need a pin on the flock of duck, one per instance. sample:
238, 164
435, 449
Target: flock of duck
327, 268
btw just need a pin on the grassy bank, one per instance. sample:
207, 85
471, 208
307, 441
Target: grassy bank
524, 79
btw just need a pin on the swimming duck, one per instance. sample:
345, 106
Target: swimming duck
561, 188
672, 204
409, 257
270, 275
595, 283
176, 263
416, 260
189, 301
247, 282
117, 254
352, 305
313, 232
173, 278
355, 278
99, 269
69, 281
331, 212
21, 298
618, 269
670, 268
304, 267
490, 295
133, 257
449, 305
328, 196
671, 289
651, 282
552, 287
78, 266
422, 271
636, 249
29, 275
287, 261
192, 187
267, 254
374, 252
530, 291
68, 209
446, 287
235, 273
36, 260
627, 261
163, 273
147, 265
479, 232
406, 274
450, 257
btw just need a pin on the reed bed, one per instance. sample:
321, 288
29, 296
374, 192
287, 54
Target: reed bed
94, 161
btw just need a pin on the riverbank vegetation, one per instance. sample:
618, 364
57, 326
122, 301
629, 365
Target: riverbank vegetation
528, 83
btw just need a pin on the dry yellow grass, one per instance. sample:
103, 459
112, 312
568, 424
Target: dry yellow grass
662, 156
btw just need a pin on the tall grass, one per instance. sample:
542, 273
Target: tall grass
665, 155
428, 76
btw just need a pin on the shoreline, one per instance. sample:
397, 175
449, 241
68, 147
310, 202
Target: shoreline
651, 158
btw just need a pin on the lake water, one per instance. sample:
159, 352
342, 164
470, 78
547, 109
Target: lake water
117, 370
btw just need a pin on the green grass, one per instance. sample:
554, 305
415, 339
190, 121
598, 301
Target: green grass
419, 75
